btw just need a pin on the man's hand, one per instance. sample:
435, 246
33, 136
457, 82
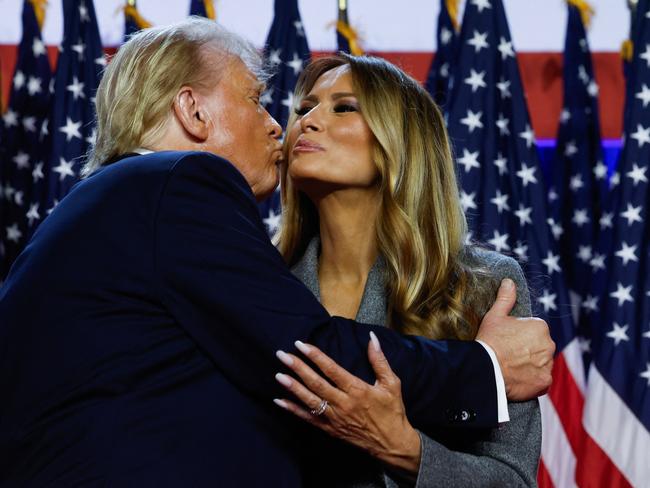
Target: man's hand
523, 346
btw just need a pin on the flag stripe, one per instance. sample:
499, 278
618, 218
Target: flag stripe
557, 455
543, 477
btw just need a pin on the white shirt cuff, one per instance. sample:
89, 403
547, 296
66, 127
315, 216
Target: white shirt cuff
502, 399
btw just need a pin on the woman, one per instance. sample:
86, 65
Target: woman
373, 225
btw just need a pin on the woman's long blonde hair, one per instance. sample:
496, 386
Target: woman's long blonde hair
421, 227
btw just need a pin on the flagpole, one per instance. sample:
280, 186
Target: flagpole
343, 11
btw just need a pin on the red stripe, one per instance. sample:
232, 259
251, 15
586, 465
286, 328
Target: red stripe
543, 478
595, 469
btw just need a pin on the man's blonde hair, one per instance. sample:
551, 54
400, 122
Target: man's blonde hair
136, 93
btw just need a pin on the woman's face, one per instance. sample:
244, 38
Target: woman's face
330, 144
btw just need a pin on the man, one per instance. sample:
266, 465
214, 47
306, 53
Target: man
139, 326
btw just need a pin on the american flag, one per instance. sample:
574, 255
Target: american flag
287, 53
438, 79
22, 188
79, 67
501, 181
204, 8
617, 407
346, 35
133, 21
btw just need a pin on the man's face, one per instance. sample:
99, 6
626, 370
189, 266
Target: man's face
241, 130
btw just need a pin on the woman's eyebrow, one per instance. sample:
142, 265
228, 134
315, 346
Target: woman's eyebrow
334, 96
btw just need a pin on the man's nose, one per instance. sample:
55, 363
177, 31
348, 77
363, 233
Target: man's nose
275, 130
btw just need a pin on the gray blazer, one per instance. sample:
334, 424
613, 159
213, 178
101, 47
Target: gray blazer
509, 455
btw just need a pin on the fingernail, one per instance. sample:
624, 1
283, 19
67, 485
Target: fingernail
507, 283
302, 347
375, 341
283, 379
284, 357
281, 403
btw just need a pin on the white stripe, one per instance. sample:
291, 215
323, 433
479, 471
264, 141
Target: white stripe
557, 454
573, 357
619, 433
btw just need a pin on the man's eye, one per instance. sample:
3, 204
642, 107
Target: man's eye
345, 107
300, 111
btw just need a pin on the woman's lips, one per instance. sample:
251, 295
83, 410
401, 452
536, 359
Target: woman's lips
304, 145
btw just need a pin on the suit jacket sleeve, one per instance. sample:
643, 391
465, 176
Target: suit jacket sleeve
509, 454
228, 287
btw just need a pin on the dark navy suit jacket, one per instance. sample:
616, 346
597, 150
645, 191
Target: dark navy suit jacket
138, 332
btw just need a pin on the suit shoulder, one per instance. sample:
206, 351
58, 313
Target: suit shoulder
497, 264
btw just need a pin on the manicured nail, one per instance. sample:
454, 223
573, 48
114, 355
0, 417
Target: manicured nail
281, 403
507, 283
284, 357
283, 379
375, 341
302, 347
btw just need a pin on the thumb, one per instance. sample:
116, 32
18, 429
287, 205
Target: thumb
506, 298
378, 361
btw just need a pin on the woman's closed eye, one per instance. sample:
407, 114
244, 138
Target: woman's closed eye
345, 107
302, 110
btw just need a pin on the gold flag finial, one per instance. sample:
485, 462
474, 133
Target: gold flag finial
452, 8
131, 11
39, 10
586, 10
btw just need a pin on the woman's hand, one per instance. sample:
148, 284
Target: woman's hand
371, 417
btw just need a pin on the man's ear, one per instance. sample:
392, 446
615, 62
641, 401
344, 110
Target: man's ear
190, 113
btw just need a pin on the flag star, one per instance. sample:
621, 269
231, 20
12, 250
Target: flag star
646, 374
481, 4
295, 64
54, 204
34, 85
467, 200
597, 262
499, 242
638, 174
600, 170
71, 129
469, 160
445, 35
273, 221
51, 87
642, 135
9, 192
590, 303
502, 124
527, 174
646, 54
548, 301
644, 95
299, 28
267, 97
501, 201
556, 228
83, 13
501, 163
570, 149
528, 136
505, 48
92, 137
552, 195
64, 169
33, 214
101, 61
444, 70
288, 102
551, 261
632, 214
606, 220
622, 294
592, 88
575, 183
18, 198
523, 213
22, 160
472, 120
582, 74
647, 334
19, 80
618, 333
10, 118
38, 48
476, 80
584, 253
584, 344
274, 57
76, 88
37, 173
29, 124
13, 233
521, 250
79, 49
504, 88
479, 41
44, 130
565, 115
580, 217
615, 179
627, 253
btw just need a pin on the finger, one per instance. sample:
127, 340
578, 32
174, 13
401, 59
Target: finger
308, 398
311, 379
506, 298
299, 411
378, 361
339, 376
